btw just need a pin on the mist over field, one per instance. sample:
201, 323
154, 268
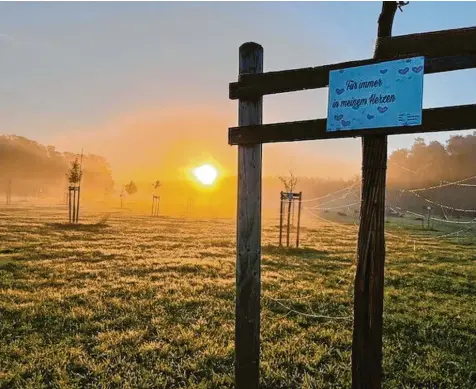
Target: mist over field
37, 173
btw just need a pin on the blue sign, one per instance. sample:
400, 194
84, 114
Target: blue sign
387, 94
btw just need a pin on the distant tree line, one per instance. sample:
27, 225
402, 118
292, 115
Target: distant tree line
35, 168
434, 164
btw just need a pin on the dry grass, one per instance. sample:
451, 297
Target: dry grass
140, 302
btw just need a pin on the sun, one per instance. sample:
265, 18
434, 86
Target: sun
206, 174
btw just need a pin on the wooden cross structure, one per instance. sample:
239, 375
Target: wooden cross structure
155, 205
74, 192
289, 198
443, 51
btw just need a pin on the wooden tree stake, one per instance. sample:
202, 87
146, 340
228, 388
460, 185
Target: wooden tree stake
281, 210
299, 219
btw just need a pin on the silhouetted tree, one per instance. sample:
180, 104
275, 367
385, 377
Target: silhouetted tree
289, 182
130, 188
74, 174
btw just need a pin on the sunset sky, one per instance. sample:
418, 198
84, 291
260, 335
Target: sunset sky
146, 84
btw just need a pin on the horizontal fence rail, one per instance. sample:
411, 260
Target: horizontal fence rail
444, 51
434, 119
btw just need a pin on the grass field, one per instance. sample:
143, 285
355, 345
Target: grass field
139, 302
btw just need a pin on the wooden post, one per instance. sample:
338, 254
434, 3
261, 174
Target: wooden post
429, 216
69, 202
289, 218
292, 213
298, 219
9, 192
74, 204
368, 289
77, 204
281, 210
248, 259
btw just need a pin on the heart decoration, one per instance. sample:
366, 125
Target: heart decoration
403, 71
339, 91
417, 69
382, 109
338, 117
345, 122
383, 71
370, 117
408, 61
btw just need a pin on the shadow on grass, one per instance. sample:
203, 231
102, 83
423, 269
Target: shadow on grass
10, 266
302, 252
308, 261
78, 227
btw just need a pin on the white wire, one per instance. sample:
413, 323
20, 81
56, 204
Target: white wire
444, 206
326, 220
336, 207
308, 314
439, 186
332, 193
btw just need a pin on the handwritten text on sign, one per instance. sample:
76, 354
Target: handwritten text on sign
387, 94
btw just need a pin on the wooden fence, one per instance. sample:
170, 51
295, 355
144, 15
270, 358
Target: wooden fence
443, 51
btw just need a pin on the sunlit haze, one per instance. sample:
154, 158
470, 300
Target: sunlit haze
145, 85
206, 174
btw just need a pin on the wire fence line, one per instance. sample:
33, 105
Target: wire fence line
444, 205
352, 192
336, 207
311, 315
332, 193
472, 221
442, 185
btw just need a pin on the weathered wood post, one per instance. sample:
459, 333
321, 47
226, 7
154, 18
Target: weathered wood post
74, 204
290, 199
429, 216
443, 51
248, 259
299, 219
9, 192
281, 210
368, 289
77, 203
69, 202
292, 213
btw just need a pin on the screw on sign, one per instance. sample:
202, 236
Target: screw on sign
433, 52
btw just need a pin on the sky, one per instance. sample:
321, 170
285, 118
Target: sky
146, 84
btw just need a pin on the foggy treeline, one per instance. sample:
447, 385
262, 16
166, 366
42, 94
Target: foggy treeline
425, 165
38, 170
418, 167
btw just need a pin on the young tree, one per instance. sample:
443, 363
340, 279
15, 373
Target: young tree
130, 188
289, 182
156, 184
74, 173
